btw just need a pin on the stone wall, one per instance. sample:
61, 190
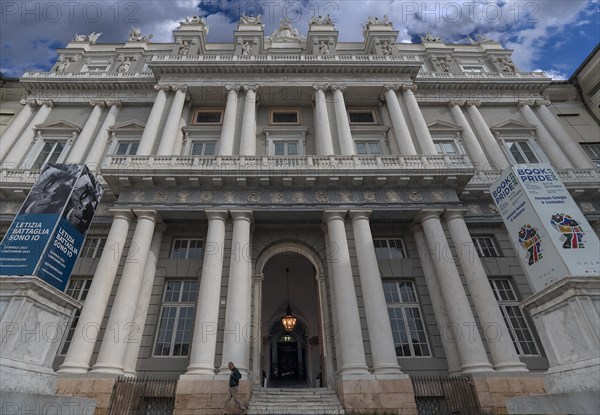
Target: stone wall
98, 389
377, 396
493, 393
207, 397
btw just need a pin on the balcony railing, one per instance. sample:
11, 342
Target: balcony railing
483, 76
89, 75
571, 178
286, 58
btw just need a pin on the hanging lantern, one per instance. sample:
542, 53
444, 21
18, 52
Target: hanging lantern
288, 321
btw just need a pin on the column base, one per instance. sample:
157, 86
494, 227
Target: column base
483, 367
387, 370
74, 368
354, 370
511, 367
368, 396
200, 370
107, 368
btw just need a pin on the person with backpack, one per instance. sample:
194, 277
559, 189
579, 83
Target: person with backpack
234, 382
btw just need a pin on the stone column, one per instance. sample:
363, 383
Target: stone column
151, 129
470, 347
78, 150
322, 129
437, 302
401, 131
257, 283
120, 323
167, 140
416, 116
236, 341
343, 125
352, 352
549, 146
204, 344
572, 149
502, 349
143, 304
385, 361
228, 130
497, 157
248, 138
96, 152
474, 149
86, 333
14, 128
21, 146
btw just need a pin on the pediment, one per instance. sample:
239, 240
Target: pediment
61, 126
513, 126
129, 126
439, 126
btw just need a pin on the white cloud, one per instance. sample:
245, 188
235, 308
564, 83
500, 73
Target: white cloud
554, 74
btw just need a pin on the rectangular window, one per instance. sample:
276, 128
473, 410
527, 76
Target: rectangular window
93, 247
408, 329
366, 148
593, 150
356, 116
208, 116
78, 289
49, 153
485, 246
473, 69
203, 148
174, 335
288, 116
446, 147
513, 317
187, 249
286, 148
126, 148
390, 248
521, 152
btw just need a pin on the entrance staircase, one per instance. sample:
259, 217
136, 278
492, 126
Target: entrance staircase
306, 401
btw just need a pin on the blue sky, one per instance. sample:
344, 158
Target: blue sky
550, 35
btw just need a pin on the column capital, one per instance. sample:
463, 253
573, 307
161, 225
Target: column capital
360, 214
329, 215
30, 102
453, 103
338, 87
97, 103
409, 88
392, 87
426, 214
321, 87
542, 102
253, 88
233, 88
246, 215
176, 88
450, 214
217, 214
164, 88
524, 103
473, 103
48, 103
126, 214
114, 104
147, 214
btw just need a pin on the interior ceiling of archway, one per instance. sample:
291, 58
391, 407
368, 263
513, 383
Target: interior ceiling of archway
303, 291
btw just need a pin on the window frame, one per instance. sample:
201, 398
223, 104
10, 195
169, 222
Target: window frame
594, 154
80, 295
455, 142
221, 112
98, 248
480, 249
368, 142
34, 153
409, 305
204, 142
287, 110
130, 145
533, 148
373, 112
188, 240
468, 68
514, 305
178, 305
404, 253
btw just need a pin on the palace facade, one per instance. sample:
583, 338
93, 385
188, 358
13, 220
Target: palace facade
347, 182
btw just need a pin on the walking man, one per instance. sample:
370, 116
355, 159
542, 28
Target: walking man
234, 382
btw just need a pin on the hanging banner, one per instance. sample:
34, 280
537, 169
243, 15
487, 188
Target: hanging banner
552, 237
46, 236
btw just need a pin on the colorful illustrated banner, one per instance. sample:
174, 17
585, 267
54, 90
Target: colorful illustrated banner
46, 236
552, 237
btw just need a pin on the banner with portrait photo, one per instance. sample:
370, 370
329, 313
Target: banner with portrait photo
46, 236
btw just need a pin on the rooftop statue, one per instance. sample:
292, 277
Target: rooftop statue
321, 20
430, 38
285, 31
135, 35
250, 19
92, 38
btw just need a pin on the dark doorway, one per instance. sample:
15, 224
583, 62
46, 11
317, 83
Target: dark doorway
287, 360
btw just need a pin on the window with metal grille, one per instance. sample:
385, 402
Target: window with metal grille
390, 248
408, 329
485, 246
78, 289
516, 322
174, 334
592, 150
93, 247
187, 249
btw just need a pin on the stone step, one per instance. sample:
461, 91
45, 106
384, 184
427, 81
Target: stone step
276, 401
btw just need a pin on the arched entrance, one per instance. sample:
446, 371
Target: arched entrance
297, 358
